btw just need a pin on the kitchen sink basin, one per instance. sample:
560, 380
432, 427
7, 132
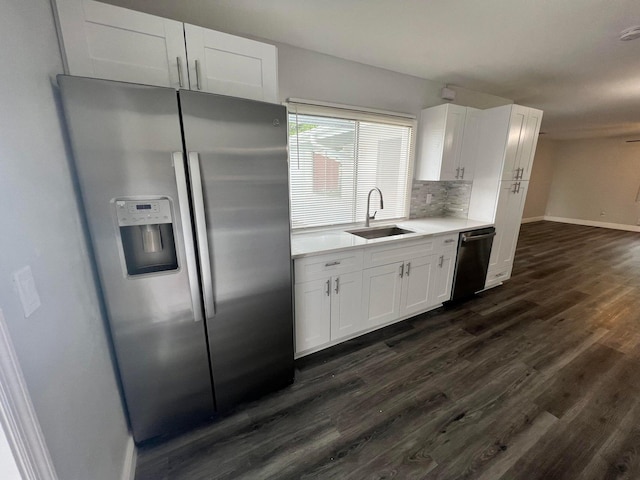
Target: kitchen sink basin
379, 232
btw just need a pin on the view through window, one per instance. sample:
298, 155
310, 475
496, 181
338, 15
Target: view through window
334, 162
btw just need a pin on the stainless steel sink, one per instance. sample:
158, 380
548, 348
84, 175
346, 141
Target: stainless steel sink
379, 232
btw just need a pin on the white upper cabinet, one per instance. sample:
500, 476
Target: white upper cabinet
104, 41
469, 149
230, 65
114, 43
446, 143
522, 138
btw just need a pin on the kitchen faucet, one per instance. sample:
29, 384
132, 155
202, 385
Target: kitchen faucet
372, 217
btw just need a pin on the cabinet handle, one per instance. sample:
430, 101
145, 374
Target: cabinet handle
457, 172
450, 240
441, 262
179, 63
331, 264
518, 191
328, 287
198, 75
500, 275
515, 186
402, 270
408, 268
462, 173
338, 285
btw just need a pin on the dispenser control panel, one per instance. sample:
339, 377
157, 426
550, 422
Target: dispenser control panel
143, 212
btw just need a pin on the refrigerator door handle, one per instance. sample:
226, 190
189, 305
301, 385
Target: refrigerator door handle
187, 234
201, 234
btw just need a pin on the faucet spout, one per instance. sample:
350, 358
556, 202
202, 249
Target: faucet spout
372, 217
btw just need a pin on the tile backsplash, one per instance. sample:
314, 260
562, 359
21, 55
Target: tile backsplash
449, 199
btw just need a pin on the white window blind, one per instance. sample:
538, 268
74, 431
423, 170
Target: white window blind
336, 156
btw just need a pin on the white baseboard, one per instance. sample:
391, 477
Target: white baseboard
590, 223
532, 219
130, 459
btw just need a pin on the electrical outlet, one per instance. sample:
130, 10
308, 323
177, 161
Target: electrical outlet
27, 292
429, 198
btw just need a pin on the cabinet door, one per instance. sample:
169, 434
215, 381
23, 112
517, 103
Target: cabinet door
381, 290
508, 218
452, 148
516, 142
531, 140
346, 301
313, 309
230, 65
114, 43
443, 281
418, 283
469, 149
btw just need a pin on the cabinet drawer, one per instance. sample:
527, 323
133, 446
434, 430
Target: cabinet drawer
446, 242
321, 266
397, 252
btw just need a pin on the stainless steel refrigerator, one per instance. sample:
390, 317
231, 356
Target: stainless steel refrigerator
186, 200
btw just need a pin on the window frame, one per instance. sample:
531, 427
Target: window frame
358, 114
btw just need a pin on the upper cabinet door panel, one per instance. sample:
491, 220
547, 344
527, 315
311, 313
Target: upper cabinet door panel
470, 139
453, 133
515, 141
114, 43
230, 65
534, 120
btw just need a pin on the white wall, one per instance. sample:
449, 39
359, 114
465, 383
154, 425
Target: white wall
62, 347
316, 76
593, 176
540, 182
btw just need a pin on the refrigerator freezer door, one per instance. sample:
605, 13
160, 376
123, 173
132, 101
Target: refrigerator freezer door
240, 147
127, 145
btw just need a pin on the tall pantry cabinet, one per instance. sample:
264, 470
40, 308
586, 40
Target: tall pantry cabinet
506, 148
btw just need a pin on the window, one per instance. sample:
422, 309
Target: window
336, 156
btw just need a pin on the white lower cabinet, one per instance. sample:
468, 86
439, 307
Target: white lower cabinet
417, 285
345, 305
511, 200
340, 295
327, 310
443, 277
312, 314
381, 292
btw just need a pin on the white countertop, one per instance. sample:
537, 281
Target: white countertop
331, 240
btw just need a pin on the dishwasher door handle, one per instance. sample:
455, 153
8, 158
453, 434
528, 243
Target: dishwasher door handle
478, 237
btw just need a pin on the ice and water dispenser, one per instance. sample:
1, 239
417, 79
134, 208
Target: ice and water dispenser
146, 231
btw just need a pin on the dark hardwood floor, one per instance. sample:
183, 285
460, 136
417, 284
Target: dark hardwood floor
536, 379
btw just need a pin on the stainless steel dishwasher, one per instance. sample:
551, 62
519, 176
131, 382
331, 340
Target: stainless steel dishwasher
472, 263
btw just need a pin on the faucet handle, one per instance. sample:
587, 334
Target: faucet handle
373, 217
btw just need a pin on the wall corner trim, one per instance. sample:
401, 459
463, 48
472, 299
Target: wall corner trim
18, 416
130, 460
590, 223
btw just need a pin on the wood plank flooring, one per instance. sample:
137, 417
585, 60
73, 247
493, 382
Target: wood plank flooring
536, 379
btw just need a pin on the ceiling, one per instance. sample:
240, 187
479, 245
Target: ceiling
562, 56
